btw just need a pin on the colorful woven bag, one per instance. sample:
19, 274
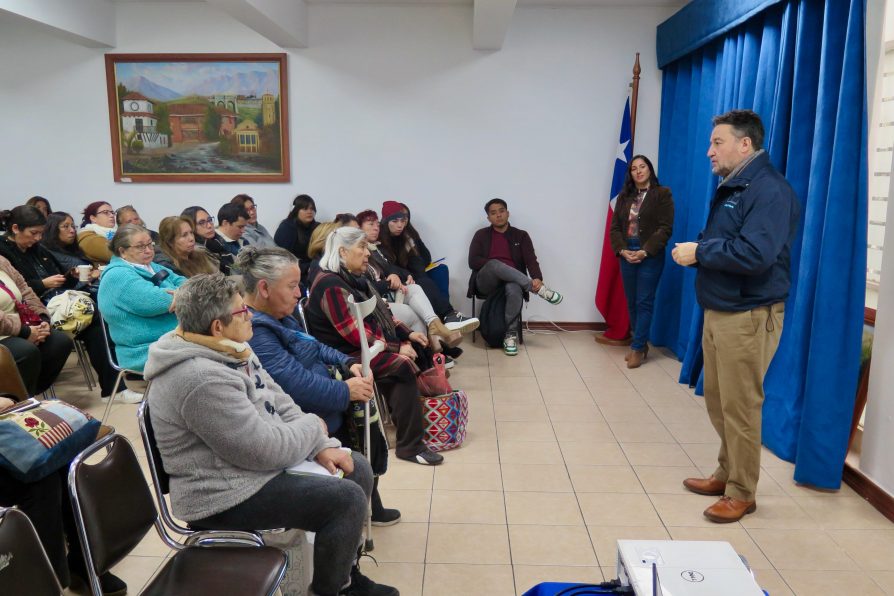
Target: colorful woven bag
445, 420
36, 442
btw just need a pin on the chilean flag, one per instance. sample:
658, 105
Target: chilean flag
610, 298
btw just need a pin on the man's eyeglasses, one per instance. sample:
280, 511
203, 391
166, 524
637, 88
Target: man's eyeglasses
205, 222
242, 311
142, 247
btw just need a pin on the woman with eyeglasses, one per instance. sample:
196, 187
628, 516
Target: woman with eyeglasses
293, 233
255, 234
136, 296
97, 228
207, 236
60, 237
179, 251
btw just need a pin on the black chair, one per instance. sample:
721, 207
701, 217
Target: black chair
113, 361
113, 511
24, 565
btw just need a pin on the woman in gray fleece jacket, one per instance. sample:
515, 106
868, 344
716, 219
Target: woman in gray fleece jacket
227, 432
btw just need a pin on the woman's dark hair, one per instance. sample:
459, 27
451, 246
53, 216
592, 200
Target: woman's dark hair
301, 202
367, 215
33, 201
91, 210
51, 234
191, 212
409, 229
25, 216
240, 200
629, 188
346, 218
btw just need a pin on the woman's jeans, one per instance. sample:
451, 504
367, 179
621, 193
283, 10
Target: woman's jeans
333, 508
640, 283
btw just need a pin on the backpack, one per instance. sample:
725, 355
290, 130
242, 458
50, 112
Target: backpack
493, 318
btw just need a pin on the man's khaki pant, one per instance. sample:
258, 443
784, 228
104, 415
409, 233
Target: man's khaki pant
738, 348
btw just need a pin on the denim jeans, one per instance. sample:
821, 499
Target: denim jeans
640, 283
495, 272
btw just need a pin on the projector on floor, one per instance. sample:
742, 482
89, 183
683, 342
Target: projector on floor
684, 568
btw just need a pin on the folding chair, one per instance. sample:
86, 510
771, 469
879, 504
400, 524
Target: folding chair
84, 363
26, 569
110, 354
113, 512
361, 311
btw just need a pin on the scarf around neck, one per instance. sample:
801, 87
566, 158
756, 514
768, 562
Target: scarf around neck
241, 351
99, 230
362, 289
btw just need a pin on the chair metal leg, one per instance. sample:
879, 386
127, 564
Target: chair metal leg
82, 362
112, 397
475, 331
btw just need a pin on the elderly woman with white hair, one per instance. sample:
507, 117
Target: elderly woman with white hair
227, 433
329, 318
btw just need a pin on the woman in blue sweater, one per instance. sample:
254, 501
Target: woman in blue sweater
301, 365
136, 296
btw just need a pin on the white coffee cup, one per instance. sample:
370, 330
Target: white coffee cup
84, 272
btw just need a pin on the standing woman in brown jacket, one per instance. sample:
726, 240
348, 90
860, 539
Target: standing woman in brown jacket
642, 223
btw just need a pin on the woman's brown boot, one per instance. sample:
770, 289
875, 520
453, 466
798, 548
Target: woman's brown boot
438, 332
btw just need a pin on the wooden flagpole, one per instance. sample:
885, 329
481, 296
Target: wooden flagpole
634, 94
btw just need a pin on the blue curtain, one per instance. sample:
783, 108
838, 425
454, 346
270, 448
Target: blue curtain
800, 64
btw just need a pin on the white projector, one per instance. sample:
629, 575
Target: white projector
684, 568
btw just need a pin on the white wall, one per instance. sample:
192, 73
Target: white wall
388, 102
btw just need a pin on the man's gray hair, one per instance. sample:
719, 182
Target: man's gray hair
122, 237
339, 238
263, 263
203, 299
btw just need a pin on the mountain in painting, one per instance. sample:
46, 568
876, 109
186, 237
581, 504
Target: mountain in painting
150, 89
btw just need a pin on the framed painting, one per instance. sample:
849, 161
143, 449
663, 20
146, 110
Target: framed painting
198, 117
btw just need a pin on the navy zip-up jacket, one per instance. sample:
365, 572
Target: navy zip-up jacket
744, 252
299, 366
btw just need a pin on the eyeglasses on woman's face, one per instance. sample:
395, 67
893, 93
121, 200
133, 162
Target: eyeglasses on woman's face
204, 223
241, 312
105, 212
143, 247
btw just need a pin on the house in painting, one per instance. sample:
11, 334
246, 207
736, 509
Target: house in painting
227, 121
187, 121
268, 109
138, 118
248, 137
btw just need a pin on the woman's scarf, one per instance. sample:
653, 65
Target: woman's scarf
99, 230
241, 351
362, 288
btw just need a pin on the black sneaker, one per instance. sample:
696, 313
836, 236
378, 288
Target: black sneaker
363, 586
457, 321
449, 362
453, 352
426, 457
385, 517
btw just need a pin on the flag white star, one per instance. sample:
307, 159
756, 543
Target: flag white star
621, 148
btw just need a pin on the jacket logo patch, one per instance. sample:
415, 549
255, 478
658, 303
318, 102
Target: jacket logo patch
731, 203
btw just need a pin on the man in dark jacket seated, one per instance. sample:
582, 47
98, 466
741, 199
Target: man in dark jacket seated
303, 366
502, 254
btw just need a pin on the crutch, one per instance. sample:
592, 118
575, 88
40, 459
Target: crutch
367, 353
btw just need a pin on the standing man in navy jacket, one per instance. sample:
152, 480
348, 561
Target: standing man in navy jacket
744, 259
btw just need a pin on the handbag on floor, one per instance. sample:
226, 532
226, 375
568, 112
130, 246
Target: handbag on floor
433, 382
37, 438
445, 418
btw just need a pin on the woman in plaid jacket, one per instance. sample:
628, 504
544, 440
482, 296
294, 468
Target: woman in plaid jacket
330, 320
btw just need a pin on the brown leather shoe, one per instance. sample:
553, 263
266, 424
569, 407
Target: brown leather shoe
705, 486
727, 510
635, 360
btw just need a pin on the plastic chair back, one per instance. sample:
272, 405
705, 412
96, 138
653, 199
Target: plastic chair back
24, 565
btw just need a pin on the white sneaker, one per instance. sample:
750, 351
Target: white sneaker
551, 296
126, 397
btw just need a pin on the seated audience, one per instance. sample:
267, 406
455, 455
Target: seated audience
293, 233
502, 254
42, 205
39, 350
45, 275
38, 266
415, 311
227, 432
97, 228
331, 320
300, 364
231, 220
179, 251
203, 228
315, 250
255, 234
128, 215
60, 238
47, 505
136, 296
400, 249
440, 273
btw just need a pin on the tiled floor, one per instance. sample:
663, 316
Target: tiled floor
567, 452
